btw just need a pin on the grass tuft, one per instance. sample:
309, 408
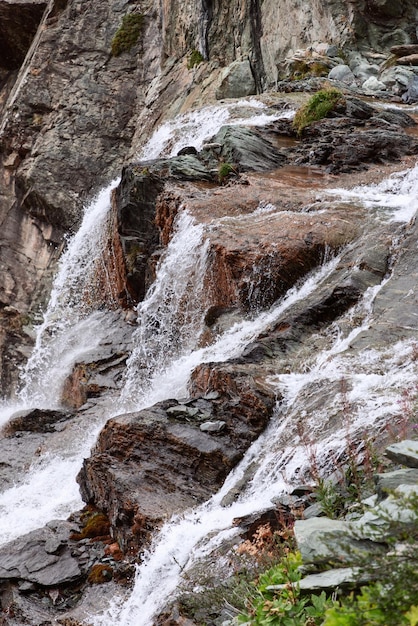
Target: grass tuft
318, 106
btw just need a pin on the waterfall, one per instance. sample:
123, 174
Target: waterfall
72, 327
364, 388
169, 321
164, 356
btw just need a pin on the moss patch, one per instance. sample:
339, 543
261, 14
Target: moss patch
100, 574
127, 34
95, 525
195, 59
317, 107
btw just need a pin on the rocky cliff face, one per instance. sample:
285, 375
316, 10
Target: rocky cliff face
75, 115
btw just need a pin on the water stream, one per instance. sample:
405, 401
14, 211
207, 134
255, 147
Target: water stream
160, 367
338, 394
73, 328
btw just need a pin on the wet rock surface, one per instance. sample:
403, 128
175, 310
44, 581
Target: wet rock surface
68, 127
129, 478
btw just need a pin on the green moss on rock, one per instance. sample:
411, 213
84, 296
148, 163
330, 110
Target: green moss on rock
318, 106
127, 34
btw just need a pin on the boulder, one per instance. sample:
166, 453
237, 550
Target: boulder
247, 149
373, 84
148, 465
322, 540
343, 74
404, 452
237, 81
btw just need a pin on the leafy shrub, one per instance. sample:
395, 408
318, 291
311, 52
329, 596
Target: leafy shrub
284, 607
316, 108
195, 59
127, 34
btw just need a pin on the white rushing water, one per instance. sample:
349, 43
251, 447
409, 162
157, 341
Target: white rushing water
370, 382
395, 198
283, 454
73, 328
164, 355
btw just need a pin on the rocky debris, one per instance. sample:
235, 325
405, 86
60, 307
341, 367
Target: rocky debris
45, 573
387, 518
356, 134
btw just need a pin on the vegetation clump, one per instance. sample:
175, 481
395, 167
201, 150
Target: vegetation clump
100, 574
96, 525
225, 170
127, 34
195, 59
302, 69
316, 108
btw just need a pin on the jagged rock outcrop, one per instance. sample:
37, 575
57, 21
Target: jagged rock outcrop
72, 112
138, 486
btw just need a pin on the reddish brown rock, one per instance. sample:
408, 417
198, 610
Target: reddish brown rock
148, 465
410, 59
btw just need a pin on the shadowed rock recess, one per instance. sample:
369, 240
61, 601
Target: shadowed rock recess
73, 117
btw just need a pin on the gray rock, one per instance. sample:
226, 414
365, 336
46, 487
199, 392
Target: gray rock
343, 74
411, 94
315, 510
40, 557
331, 579
404, 452
237, 81
182, 410
373, 84
319, 539
213, 427
322, 540
363, 71
249, 149
332, 51
377, 523
391, 480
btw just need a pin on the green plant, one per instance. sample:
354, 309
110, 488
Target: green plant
316, 108
195, 59
285, 606
127, 34
225, 170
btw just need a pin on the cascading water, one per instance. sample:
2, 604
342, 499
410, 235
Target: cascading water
72, 327
169, 321
280, 454
366, 390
